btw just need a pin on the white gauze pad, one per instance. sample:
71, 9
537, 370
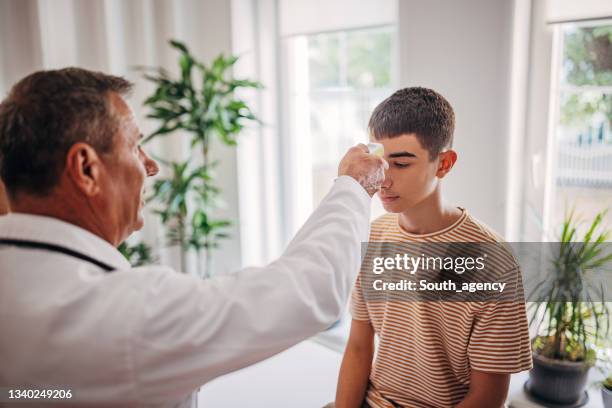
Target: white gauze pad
376, 149
374, 181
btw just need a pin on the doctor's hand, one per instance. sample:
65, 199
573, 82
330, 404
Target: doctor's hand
367, 169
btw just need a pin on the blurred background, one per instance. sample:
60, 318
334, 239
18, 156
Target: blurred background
530, 82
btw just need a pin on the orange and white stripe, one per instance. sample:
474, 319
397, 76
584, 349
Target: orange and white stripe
426, 350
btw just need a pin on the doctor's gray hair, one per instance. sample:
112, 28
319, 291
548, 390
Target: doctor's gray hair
46, 113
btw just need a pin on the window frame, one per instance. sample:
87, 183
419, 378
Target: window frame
556, 90
296, 167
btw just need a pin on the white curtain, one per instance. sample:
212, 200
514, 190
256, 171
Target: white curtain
115, 36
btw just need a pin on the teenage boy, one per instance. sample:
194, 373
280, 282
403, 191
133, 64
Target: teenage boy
429, 354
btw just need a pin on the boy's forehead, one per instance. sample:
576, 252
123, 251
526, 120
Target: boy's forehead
406, 142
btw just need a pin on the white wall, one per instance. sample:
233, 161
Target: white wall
461, 49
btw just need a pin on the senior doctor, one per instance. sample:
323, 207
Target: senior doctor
76, 316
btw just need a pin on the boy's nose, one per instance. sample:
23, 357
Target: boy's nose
387, 182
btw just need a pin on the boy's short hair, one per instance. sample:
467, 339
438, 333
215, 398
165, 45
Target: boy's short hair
417, 110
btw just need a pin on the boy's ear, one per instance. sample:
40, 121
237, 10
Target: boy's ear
447, 160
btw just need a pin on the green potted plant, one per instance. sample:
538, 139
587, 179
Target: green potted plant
200, 104
138, 254
570, 314
604, 365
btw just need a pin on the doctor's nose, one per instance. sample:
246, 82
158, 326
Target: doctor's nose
151, 165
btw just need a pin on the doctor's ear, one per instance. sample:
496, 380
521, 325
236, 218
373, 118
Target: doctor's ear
447, 160
83, 168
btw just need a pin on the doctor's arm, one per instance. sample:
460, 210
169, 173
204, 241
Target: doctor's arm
194, 331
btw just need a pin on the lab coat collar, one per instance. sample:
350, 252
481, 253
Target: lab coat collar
54, 231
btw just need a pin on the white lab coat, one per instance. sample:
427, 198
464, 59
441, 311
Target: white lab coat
150, 336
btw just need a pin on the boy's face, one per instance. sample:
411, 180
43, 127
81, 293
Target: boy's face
411, 176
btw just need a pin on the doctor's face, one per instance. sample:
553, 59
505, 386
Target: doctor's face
126, 166
412, 176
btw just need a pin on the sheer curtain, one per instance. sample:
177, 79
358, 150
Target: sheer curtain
115, 36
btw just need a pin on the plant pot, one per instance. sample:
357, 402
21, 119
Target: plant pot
558, 381
606, 396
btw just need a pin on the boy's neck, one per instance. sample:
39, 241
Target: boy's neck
430, 215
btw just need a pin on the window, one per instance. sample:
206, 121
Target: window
333, 81
582, 156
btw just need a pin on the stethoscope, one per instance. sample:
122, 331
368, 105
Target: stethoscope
26, 244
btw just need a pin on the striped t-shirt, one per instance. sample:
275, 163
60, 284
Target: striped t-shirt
426, 350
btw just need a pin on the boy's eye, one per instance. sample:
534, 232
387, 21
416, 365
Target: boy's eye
401, 165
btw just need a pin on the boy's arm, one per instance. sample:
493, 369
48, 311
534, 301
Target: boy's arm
487, 390
499, 345
356, 365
